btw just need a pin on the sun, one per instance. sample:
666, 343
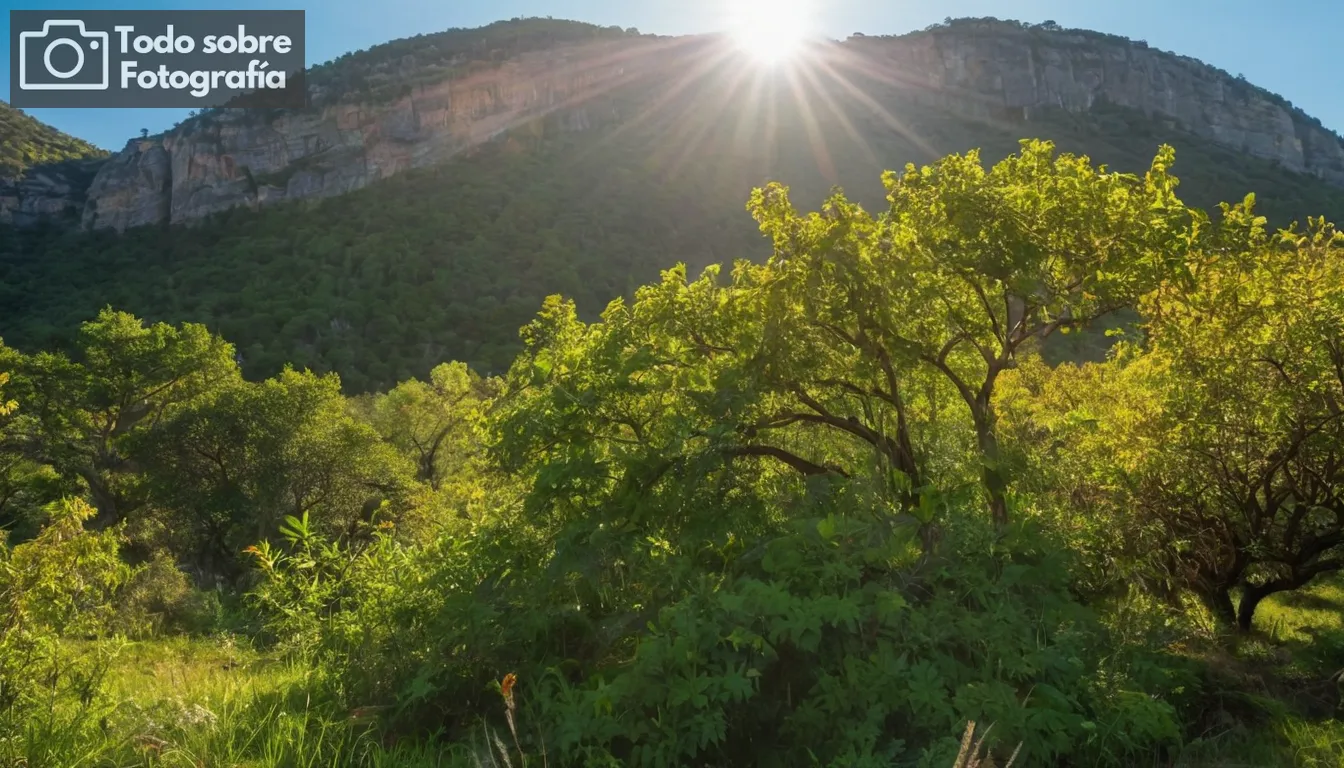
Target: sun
770, 31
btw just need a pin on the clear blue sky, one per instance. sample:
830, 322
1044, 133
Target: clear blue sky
1291, 47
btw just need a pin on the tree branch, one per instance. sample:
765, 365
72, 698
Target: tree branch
796, 462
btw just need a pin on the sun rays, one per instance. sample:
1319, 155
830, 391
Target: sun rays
728, 96
770, 31
770, 99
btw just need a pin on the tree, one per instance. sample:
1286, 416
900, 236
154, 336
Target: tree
1213, 453
969, 265
434, 423
26, 486
1073, 436
225, 471
125, 379
865, 348
438, 427
1251, 353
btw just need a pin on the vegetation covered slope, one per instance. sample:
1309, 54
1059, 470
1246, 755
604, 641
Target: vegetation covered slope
25, 142
380, 284
388, 70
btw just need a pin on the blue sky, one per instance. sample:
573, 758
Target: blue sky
1291, 47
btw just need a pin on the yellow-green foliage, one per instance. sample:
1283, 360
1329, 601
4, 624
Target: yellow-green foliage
59, 585
822, 513
63, 582
6, 406
187, 703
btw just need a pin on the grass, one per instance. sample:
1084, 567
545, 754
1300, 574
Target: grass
1288, 671
1308, 624
199, 703
1289, 740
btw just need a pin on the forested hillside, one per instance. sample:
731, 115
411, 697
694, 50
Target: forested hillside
25, 142
386, 71
446, 263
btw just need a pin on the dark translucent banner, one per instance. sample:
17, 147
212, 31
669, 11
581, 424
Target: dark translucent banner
193, 59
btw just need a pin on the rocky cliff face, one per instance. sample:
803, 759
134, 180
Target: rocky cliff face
47, 192
985, 71
229, 159
996, 70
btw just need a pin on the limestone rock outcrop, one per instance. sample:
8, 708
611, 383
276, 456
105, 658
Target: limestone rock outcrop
992, 70
245, 158
53, 191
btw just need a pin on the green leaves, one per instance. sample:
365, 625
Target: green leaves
830, 408
87, 414
1202, 439
58, 615
296, 530
230, 469
6, 406
28, 142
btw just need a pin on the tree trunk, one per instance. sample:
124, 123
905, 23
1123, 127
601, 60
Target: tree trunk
104, 501
991, 473
1250, 600
1253, 594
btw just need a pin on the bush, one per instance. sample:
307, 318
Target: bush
158, 597
55, 590
836, 641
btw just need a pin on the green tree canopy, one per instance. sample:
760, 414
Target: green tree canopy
1213, 449
225, 472
864, 348
125, 378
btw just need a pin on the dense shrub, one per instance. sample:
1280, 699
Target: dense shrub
833, 638
60, 586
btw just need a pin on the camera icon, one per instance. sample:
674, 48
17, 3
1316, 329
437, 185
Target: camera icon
39, 71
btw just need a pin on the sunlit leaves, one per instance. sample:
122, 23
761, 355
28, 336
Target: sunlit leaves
126, 378
1209, 456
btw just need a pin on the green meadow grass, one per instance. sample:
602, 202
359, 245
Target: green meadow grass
199, 703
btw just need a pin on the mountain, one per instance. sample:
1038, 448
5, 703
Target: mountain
440, 186
418, 102
43, 172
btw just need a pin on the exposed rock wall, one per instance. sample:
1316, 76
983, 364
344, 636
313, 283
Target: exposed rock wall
995, 69
230, 159
47, 192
